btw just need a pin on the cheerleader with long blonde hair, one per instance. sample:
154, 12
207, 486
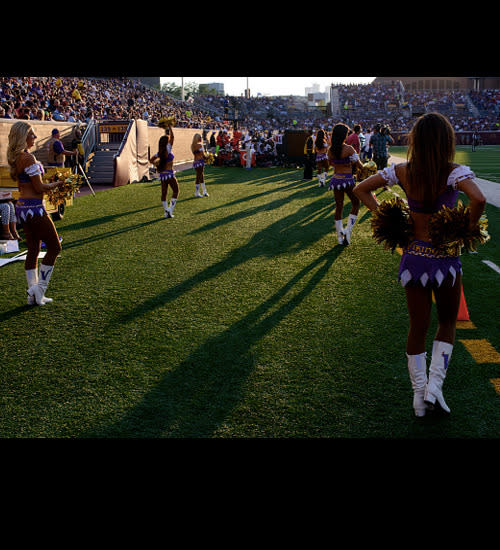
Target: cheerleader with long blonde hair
199, 165
37, 224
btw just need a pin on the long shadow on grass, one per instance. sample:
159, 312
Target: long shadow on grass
291, 233
196, 397
108, 234
272, 205
103, 219
282, 187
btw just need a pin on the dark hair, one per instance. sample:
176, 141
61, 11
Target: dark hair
339, 134
320, 139
431, 151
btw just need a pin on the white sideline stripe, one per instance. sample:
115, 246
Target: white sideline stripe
492, 265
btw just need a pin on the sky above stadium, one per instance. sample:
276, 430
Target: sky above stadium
270, 85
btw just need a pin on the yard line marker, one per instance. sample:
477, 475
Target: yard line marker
465, 325
492, 265
481, 350
496, 384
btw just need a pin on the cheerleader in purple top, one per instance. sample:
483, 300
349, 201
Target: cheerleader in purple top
165, 168
30, 211
198, 165
430, 180
321, 150
343, 157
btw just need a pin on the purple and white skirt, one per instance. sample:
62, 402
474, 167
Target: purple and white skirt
29, 208
422, 264
341, 181
321, 156
198, 163
167, 175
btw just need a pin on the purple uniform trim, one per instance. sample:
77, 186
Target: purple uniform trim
26, 208
341, 181
422, 264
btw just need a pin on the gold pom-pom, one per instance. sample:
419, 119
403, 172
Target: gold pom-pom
167, 121
391, 224
209, 158
369, 168
65, 190
449, 230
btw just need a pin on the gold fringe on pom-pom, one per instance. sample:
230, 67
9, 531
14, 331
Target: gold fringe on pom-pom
209, 158
449, 230
391, 224
65, 190
369, 168
167, 121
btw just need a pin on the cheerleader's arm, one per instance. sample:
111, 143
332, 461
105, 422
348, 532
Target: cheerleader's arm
364, 190
477, 201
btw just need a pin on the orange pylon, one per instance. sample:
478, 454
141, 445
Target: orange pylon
463, 312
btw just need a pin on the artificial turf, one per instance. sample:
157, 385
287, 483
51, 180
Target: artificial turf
241, 317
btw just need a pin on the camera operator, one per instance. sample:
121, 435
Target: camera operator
380, 141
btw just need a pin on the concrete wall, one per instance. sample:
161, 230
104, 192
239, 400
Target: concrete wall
43, 129
183, 137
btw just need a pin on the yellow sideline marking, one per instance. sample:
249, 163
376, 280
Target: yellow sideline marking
465, 325
496, 384
482, 351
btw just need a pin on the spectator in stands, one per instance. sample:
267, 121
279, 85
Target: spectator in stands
56, 151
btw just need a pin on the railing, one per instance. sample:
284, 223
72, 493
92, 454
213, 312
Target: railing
89, 140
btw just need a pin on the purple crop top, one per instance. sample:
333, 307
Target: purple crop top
448, 198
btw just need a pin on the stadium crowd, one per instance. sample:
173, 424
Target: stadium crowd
79, 100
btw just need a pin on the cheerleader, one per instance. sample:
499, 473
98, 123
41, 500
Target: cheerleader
343, 158
431, 181
165, 168
37, 224
321, 150
199, 164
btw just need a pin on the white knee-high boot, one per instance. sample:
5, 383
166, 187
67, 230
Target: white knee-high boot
340, 231
38, 290
32, 279
349, 227
441, 355
417, 369
197, 190
204, 189
170, 210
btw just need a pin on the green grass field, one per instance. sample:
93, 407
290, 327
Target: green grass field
239, 318
484, 161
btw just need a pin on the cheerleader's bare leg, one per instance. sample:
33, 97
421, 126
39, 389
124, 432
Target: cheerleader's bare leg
419, 301
174, 184
447, 305
353, 215
339, 206
200, 182
37, 229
